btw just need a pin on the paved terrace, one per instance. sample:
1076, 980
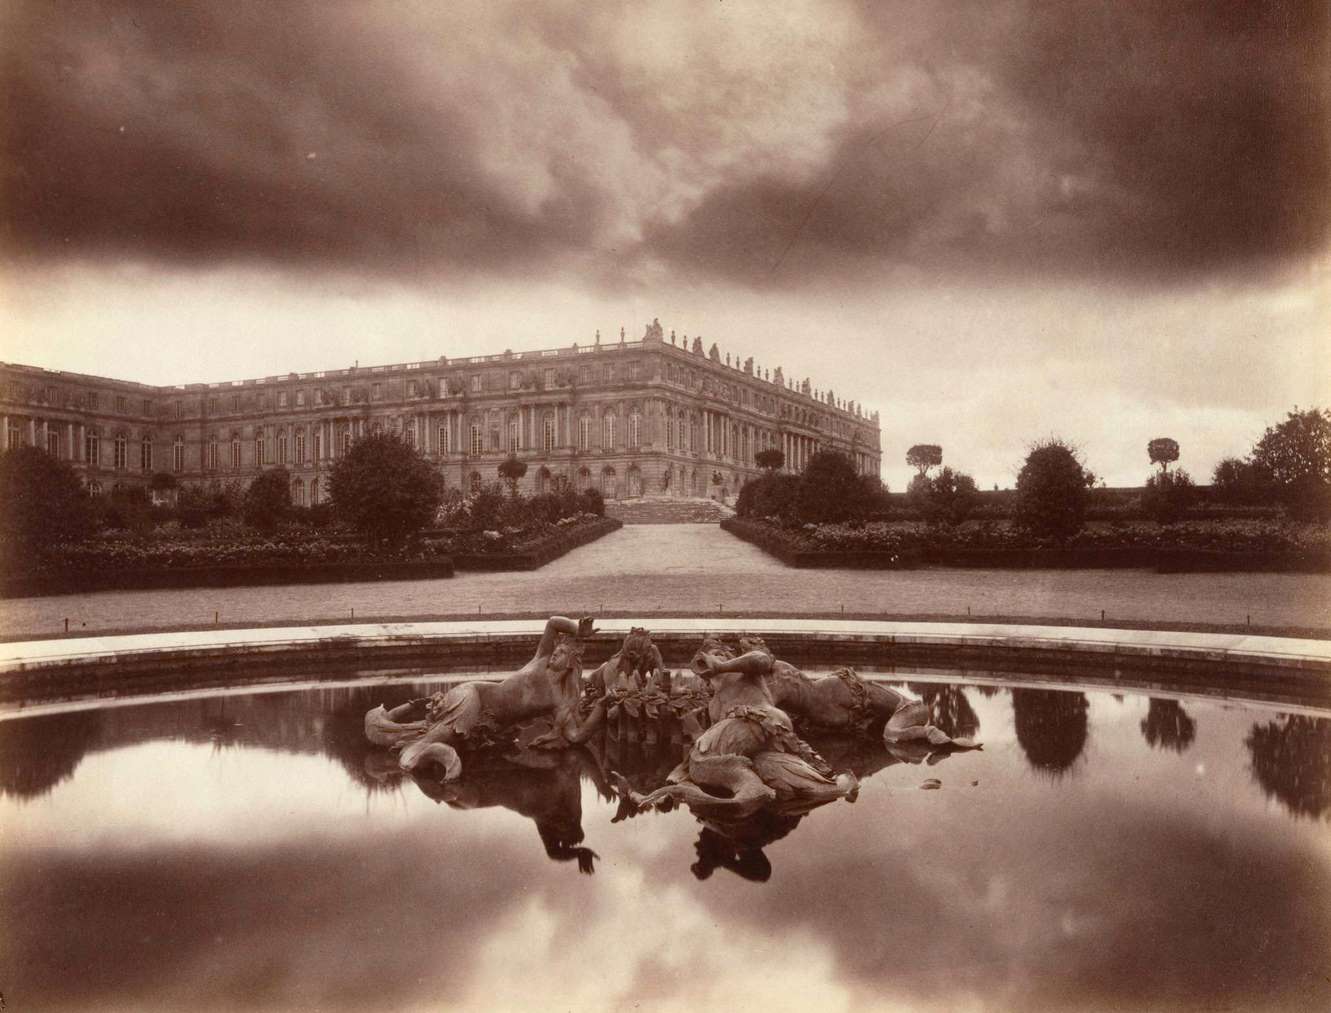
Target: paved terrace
696, 569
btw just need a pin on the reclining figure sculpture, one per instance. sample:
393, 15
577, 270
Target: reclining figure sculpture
550, 684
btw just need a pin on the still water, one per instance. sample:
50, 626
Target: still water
251, 851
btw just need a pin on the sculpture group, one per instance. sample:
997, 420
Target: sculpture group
736, 711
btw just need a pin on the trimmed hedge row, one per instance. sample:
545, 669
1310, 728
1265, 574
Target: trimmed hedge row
550, 548
1165, 560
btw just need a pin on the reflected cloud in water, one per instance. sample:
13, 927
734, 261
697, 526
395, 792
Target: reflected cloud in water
268, 855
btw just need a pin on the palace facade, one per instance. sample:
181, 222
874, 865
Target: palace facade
654, 416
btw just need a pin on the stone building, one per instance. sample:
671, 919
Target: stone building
656, 416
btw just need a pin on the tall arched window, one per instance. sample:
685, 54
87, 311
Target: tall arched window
235, 451
121, 446
475, 481
608, 431
476, 446
548, 432
178, 454
346, 442
260, 448
298, 492
314, 488
635, 430
514, 435
282, 447
146, 454
445, 439
584, 432
214, 461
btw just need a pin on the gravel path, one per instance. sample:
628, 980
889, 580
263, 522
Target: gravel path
688, 569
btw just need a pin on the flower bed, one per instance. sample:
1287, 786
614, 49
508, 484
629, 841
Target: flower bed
530, 548
222, 560
1198, 545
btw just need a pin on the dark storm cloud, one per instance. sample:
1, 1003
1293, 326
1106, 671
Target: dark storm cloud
1086, 139
287, 133
1078, 139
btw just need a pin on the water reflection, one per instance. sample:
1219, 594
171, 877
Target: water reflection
948, 708
1291, 759
1051, 727
36, 754
361, 892
1168, 726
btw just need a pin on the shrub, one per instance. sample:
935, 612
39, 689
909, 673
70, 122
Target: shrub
772, 459
829, 490
1052, 494
1167, 496
384, 489
769, 495
41, 503
268, 500
947, 498
593, 502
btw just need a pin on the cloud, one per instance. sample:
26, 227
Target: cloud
824, 143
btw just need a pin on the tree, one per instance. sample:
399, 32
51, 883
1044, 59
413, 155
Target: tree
1167, 497
41, 504
511, 471
769, 495
1235, 481
947, 498
267, 500
1295, 458
1162, 451
1052, 493
924, 456
772, 459
829, 490
384, 489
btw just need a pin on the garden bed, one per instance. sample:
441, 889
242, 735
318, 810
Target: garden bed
1197, 547
533, 555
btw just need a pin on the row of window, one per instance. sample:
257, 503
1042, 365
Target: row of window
90, 400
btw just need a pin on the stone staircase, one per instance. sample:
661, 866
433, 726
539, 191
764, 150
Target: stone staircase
667, 510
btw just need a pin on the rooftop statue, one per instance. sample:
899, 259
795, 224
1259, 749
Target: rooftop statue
697, 344
714, 353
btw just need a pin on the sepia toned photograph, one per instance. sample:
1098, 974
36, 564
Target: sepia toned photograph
816, 505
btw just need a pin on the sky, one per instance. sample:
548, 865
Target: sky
991, 222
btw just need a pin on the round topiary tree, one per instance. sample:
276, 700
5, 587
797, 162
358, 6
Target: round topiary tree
1162, 451
1052, 491
771, 459
384, 489
511, 471
41, 504
267, 501
924, 456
